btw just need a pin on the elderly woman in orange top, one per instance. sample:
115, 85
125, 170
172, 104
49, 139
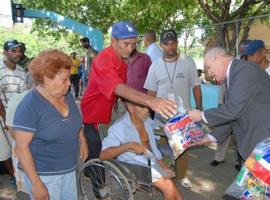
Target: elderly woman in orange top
48, 130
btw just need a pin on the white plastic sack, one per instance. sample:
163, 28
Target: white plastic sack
182, 132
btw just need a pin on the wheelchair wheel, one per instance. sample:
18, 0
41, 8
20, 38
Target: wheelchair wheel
103, 180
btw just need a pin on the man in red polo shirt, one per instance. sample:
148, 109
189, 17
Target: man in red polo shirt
108, 80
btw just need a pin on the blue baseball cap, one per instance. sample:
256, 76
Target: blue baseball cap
243, 45
253, 46
123, 30
11, 44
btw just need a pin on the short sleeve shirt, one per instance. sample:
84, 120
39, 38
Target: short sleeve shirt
12, 81
12, 106
185, 77
154, 52
75, 66
54, 145
107, 72
90, 54
137, 71
122, 132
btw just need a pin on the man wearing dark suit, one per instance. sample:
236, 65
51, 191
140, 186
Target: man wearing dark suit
247, 101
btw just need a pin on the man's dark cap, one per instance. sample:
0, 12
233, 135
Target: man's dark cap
85, 39
11, 44
23, 47
168, 35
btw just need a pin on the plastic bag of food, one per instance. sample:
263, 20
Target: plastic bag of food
182, 132
254, 176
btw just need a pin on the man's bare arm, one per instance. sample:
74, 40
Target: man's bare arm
113, 152
152, 93
163, 106
198, 96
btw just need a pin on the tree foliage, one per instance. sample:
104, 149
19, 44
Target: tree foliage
35, 43
219, 11
157, 15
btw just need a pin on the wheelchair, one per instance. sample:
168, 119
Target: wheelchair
114, 180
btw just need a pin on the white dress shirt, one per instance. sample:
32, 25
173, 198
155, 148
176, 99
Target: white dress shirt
202, 113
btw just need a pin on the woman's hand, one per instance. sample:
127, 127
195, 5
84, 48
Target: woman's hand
40, 191
84, 150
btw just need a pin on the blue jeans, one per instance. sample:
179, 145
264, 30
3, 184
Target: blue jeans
84, 78
60, 187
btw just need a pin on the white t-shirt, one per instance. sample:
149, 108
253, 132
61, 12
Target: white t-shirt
185, 77
11, 81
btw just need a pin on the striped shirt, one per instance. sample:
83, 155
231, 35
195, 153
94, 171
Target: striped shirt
11, 82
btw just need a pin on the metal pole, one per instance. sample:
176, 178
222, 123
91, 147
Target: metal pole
237, 38
236, 20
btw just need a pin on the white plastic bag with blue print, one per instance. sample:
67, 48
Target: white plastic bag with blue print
181, 131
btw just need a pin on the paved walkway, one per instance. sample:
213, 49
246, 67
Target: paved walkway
209, 182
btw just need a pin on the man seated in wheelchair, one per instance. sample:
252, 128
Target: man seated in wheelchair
130, 139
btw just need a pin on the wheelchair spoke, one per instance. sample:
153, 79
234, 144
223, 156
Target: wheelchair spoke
103, 180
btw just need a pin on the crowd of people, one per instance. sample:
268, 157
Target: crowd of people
47, 131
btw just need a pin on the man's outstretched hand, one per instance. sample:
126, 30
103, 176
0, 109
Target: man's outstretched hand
165, 107
195, 115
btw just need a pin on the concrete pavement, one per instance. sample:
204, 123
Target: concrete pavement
209, 182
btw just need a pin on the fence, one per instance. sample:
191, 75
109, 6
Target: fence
228, 34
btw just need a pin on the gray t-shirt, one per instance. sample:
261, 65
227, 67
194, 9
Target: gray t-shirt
160, 78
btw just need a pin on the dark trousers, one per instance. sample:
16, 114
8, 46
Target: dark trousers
93, 140
94, 145
75, 79
240, 160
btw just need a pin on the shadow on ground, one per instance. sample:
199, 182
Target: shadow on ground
209, 182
